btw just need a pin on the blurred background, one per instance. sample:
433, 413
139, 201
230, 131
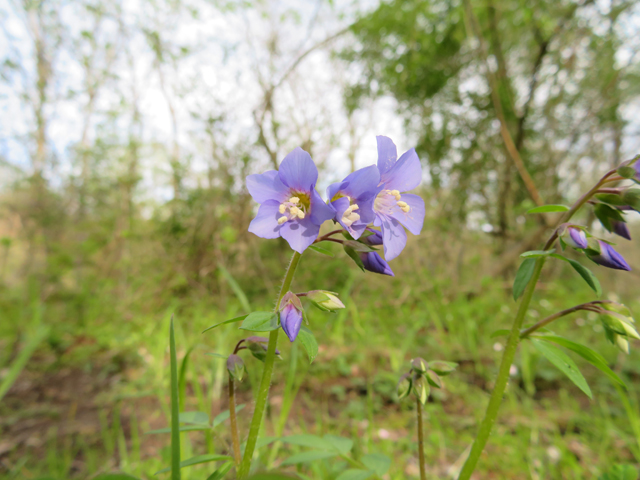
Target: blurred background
126, 132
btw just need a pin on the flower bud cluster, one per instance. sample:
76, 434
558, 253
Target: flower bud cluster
618, 324
422, 376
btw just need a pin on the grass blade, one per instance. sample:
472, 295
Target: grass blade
21, 360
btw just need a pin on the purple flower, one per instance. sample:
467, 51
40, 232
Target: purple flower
374, 239
290, 206
291, 315
353, 199
575, 238
393, 208
375, 263
609, 258
621, 229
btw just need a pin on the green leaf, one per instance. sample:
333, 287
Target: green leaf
197, 460
308, 456
591, 356
359, 246
536, 253
231, 320
221, 472
198, 418
500, 333
340, 444
235, 286
321, 250
355, 474
605, 214
564, 363
377, 462
184, 428
307, 440
260, 322
308, 342
221, 417
354, 256
175, 407
217, 355
627, 172
621, 472
115, 476
549, 208
584, 272
23, 357
523, 276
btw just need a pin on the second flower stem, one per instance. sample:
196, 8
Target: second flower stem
423, 472
234, 424
265, 382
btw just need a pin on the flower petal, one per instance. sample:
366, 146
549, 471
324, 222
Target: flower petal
265, 224
621, 229
406, 173
387, 153
291, 321
394, 237
320, 211
609, 258
266, 186
413, 219
362, 183
298, 172
376, 264
300, 233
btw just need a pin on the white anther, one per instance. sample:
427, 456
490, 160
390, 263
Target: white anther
300, 214
294, 210
354, 207
406, 209
294, 200
282, 208
281, 220
402, 204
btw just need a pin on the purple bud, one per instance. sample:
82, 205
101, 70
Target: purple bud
374, 239
620, 228
375, 263
291, 321
235, 366
609, 258
575, 238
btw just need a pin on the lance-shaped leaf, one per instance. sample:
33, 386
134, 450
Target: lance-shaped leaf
523, 275
564, 363
260, 322
584, 272
548, 209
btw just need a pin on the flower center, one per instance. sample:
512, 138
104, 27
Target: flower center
294, 208
387, 199
349, 217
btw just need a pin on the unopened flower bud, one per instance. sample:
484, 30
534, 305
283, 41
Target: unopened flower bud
419, 365
258, 347
324, 300
291, 315
575, 237
375, 263
442, 368
619, 324
235, 366
375, 237
622, 344
434, 379
607, 256
404, 386
421, 388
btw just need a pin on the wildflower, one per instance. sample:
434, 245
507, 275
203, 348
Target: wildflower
575, 237
375, 263
394, 208
353, 199
291, 315
290, 207
608, 257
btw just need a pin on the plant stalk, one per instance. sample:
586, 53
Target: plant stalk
546, 321
423, 471
234, 422
265, 383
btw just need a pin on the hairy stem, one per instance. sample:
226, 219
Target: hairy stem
265, 383
514, 337
234, 423
423, 471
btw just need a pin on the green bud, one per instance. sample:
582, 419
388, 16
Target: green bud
235, 366
404, 386
324, 300
631, 197
419, 365
258, 347
434, 379
442, 368
614, 322
627, 171
616, 307
421, 388
622, 344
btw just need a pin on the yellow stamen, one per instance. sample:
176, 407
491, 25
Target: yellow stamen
282, 208
402, 204
300, 214
294, 210
281, 220
294, 200
354, 207
406, 209
395, 193
398, 197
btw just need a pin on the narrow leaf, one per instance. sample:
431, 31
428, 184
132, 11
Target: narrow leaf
309, 456
197, 460
221, 472
21, 360
584, 272
308, 342
260, 322
307, 440
184, 428
523, 276
231, 320
591, 356
235, 286
536, 253
175, 408
197, 418
354, 256
321, 250
221, 417
564, 363
549, 208
500, 333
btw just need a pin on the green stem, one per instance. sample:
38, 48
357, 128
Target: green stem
423, 471
265, 383
234, 422
546, 321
